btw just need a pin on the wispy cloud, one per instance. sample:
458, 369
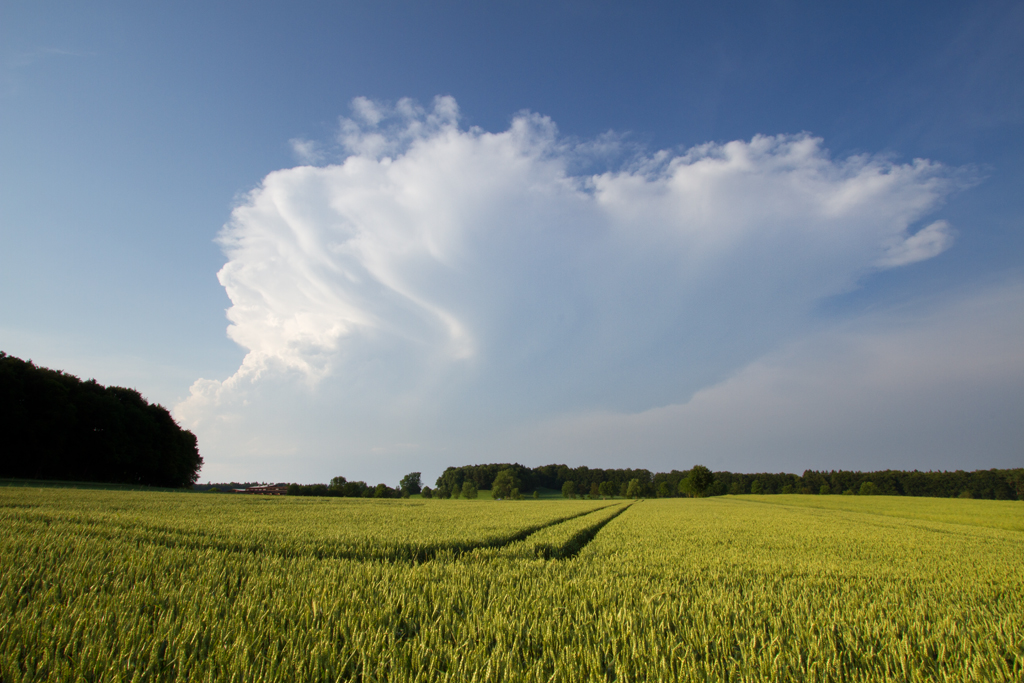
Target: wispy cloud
20, 60
306, 151
16, 65
930, 241
442, 276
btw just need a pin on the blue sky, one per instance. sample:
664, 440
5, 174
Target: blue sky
758, 236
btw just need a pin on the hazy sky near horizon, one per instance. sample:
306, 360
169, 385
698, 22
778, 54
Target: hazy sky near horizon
373, 238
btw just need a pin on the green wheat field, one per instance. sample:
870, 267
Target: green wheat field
149, 586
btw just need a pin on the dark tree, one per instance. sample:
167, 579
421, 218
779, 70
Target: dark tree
869, 488
505, 481
1016, 480
569, 490
55, 426
698, 482
411, 483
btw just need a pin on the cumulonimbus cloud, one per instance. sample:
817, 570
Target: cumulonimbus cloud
435, 265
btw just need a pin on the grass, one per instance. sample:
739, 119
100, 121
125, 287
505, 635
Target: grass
123, 586
997, 514
91, 485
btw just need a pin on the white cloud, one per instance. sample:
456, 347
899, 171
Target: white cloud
306, 151
443, 280
928, 242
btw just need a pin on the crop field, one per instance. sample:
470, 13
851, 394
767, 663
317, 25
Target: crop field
144, 586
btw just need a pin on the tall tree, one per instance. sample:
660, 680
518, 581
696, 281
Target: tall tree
411, 484
505, 481
697, 482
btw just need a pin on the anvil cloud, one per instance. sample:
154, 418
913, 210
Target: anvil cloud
439, 280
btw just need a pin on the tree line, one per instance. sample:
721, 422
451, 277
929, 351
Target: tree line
54, 426
1006, 484
514, 481
340, 487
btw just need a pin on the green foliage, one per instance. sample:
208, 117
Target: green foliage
824, 490
340, 488
469, 490
606, 489
634, 490
550, 477
756, 488
55, 426
868, 488
536, 495
991, 484
107, 586
1015, 478
427, 492
568, 490
697, 483
411, 483
504, 482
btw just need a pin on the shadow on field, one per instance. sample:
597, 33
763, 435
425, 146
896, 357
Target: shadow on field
524, 534
174, 537
578, 541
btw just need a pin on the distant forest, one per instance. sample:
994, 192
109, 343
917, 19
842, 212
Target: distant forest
698, 481
54, 426
992, 484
